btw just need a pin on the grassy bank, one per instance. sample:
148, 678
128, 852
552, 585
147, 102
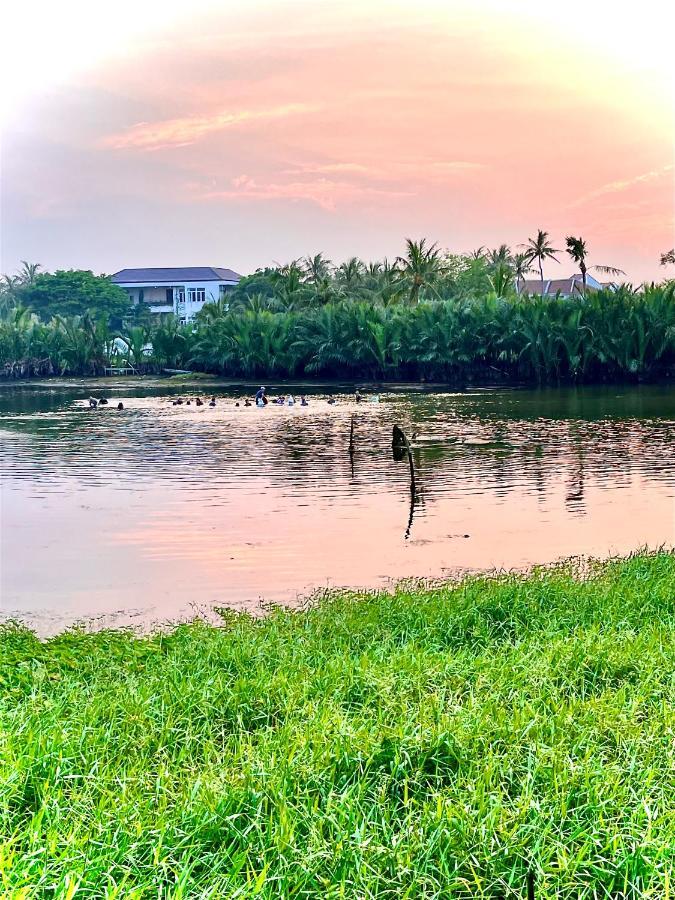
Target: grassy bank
436, 743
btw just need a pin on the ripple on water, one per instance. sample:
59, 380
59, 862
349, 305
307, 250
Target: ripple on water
157, 507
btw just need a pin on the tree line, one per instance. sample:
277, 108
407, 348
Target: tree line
426, 315
600, 336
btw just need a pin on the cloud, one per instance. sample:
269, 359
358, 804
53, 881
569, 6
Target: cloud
615, 187
390, 170
455, 166
331, 169
189, 129
324, 192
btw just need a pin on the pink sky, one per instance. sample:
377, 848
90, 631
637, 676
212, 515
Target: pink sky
256, 133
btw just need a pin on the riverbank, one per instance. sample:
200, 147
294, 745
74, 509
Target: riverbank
440, 742
606, 337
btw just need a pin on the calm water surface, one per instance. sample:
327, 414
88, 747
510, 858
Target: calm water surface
160, 512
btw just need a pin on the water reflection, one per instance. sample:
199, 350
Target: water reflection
142, 512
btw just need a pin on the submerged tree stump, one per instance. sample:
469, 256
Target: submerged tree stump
400, 446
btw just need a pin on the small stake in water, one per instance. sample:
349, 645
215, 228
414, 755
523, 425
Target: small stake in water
351, 437
400, 446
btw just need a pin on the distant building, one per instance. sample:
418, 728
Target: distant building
563, 287
182, 292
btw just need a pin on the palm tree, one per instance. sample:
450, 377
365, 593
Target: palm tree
420, 267
501, 279
9, 286
540, 249
577, 250
521, 266
137, 349
668, 258
214, 310
500, 256
316, 268
350, 275
28, 272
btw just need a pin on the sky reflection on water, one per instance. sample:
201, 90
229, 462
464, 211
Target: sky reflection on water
158, 511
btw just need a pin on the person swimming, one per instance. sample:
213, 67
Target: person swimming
359, 398
199, 401
290, 400
120, 405
331, 400
260, 398
212, 401
303, 401
102, 402
247, 402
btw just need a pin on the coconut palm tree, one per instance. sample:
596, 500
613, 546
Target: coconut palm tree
500, 256
28, 272
668, 258
316, 268
540, 249
420, 267
350, 275
10, 289
577, 250
521, 266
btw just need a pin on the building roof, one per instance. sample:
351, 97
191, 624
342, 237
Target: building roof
553, 286
566, 286
174, 276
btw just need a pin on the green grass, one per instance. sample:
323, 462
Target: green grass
435, 743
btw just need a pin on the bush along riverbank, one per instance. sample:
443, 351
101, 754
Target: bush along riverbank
605, 336
435, 743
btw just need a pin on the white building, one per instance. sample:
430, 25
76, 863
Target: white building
182, 292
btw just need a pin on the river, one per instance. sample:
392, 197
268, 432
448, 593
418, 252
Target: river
159, 513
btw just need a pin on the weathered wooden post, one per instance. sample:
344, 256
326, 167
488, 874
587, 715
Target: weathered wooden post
401, 446
351, 436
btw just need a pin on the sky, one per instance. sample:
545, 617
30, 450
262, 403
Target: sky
244, 134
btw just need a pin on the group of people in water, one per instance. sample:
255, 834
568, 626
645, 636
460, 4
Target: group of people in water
198, 402
261, 400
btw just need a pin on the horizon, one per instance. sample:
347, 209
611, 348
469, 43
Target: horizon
167, 135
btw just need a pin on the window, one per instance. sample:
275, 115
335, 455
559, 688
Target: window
196, 295
169, 295
225, 289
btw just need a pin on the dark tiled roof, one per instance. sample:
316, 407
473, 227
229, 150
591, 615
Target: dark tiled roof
173, 276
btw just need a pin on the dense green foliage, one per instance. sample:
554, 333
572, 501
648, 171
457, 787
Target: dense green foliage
603, 336
428, 315
435, 743
70, 293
